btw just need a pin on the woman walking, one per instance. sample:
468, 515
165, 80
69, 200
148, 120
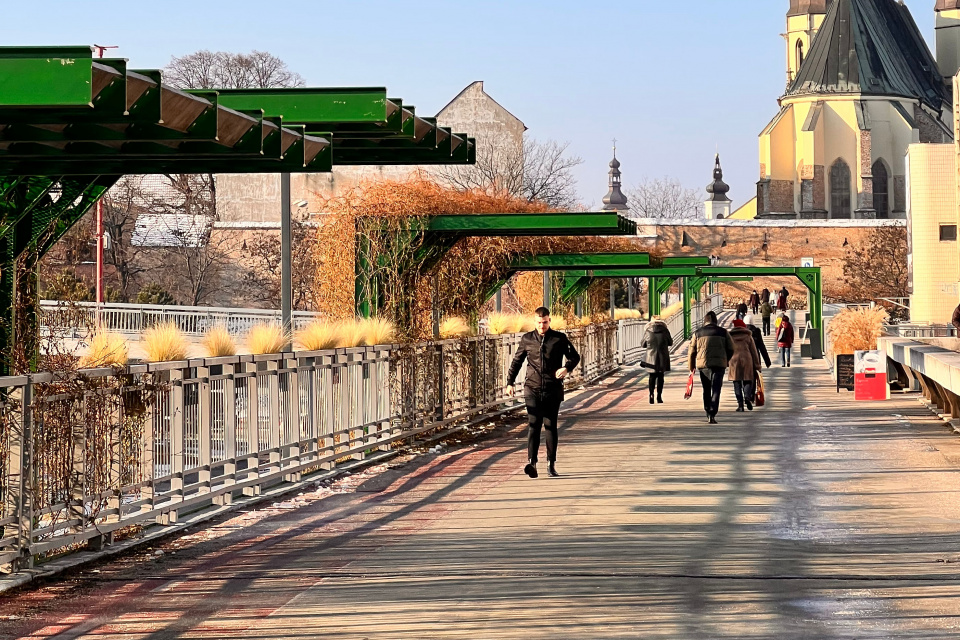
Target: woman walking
782, 296
657, 341
744, 365
785, 340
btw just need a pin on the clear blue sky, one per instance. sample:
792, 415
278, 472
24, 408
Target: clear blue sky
672, 81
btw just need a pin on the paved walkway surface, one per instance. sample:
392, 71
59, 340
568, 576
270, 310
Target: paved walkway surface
816, 517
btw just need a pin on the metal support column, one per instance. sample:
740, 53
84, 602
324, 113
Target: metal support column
547, 290
613, 300
286, 256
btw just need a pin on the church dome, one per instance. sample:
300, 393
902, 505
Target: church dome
614, 164
718, 188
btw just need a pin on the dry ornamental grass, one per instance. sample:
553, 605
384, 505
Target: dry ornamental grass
107, 349
219, 343
267, 338
164, 343
856, 330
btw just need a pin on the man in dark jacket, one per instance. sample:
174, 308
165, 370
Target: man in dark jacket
710, 351
741, 310
758, 339
550, 358
657, 341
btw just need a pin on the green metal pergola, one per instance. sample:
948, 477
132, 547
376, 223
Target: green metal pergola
72, 125
436, 235
580, 270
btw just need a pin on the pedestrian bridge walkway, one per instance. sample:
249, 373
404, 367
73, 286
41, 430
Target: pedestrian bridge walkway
814, 517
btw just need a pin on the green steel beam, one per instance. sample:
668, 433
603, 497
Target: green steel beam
530, 224
564, 262
46, 76
316, 106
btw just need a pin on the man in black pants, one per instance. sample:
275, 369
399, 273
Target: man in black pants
710, 351
550, 357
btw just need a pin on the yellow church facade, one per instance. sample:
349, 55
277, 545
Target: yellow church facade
862, 85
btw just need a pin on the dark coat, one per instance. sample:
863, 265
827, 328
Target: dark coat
766, 310
765, 295
761, 346
711, 347
782, 299
785, 334
657, 341
956, 318
754, 299
742, 308
545, 356
746, 360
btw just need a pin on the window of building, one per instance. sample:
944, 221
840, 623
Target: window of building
948, 233
799, 54
881, 189
840, 190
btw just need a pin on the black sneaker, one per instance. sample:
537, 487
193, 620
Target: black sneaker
552, 470
651, 398
712, 420
660, 399
531, 470
749, 407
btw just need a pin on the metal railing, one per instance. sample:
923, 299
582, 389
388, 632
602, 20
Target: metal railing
85, 454
921, 330
135, 318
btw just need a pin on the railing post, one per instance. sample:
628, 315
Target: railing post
20, 492
204, 418
229, 431
441, 384
177, 443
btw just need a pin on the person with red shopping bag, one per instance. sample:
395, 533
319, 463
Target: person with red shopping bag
710, 351
785, 340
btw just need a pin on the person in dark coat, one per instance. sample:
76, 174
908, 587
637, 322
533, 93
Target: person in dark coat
754, 302
744, 364
758, 339
657, 341
710, 351
782, 299
955, 321
765, 295
785, 340
550, 358
741, 310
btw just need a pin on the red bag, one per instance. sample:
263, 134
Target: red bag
689, 392
759, 398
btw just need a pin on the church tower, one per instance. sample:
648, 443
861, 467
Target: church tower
803, 21
948, 37
717, 206
615, 200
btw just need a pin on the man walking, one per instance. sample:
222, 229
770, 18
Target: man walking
550, 358
754, 302
766, 311
710, 351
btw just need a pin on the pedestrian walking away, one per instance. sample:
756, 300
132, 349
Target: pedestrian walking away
550, 358
754, 302
657, 341
758, 339
741, 310
766, 311
765, 295
744, 365
710, 351
785, 340
782, 297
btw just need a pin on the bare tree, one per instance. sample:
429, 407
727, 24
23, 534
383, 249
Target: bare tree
121, 206
877, 267
189, 258
665, 199
261, 277
537, 172
224, 70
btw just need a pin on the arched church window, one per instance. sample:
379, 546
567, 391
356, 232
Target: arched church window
881, 189
799, 54
840, 190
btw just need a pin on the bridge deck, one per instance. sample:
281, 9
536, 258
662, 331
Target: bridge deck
815, 517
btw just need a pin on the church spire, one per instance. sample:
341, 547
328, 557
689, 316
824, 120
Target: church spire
717, 205
615, 200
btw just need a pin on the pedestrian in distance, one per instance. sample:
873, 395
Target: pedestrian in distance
766, 311
785, 340
741, 310
758, 339
955, 321
657, 341
550, 358
754, 302
744, 365
710, 351
782, 297
765, 295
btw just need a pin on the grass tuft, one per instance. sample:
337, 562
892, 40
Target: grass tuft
164, 342
267, 338
317, 336
454, 327
350, 333
107, 349
377, 331
218, 342
856, 329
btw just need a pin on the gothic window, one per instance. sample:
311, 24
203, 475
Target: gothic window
799, 54
840, 190
881, 189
